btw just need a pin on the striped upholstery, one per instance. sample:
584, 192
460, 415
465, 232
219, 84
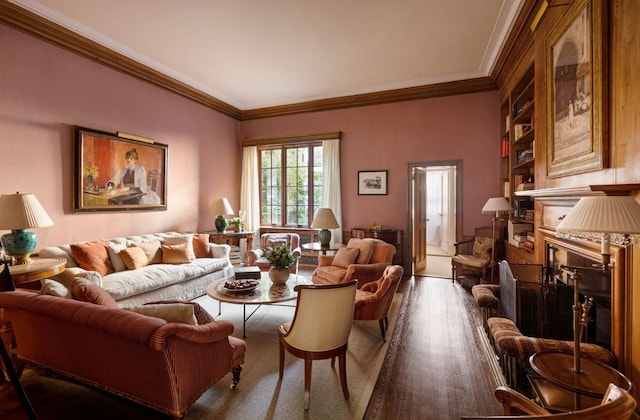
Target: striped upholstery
512, 343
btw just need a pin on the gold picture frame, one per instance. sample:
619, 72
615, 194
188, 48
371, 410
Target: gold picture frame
113, 173
577, 91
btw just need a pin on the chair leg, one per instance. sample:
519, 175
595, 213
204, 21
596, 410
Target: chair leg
453, 273
307, 382
383, 329
342, 363
281, 358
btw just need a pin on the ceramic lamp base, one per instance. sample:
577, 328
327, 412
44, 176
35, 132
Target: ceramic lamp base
221, 224
325, 237
19, 244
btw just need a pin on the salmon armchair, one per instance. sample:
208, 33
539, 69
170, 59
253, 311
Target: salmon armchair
362, 259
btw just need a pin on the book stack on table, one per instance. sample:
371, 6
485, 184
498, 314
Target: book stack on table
246, 272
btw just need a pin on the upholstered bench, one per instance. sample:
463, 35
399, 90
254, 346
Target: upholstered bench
486, 296
514, 347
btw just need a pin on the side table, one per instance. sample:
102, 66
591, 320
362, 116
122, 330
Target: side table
315, 246
231, 238
38, 269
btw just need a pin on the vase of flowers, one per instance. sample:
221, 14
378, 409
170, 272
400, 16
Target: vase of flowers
91, 172
281, 258
236, 223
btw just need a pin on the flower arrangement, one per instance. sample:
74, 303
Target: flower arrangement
279, 256
235, 221
91, 171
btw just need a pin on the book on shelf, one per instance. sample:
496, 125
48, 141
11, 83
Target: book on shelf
507, 189
520, 130
525, 186
524, 155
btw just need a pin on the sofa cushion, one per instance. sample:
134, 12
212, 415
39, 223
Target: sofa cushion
54, 288
86, 291
365, 245
182, 239
134, 257
345, 257
153, 251
177, 254
92, 256
113, 249
170, 312
201, 245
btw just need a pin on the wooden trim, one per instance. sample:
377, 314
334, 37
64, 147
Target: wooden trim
611, 189
482, 84
33, 24
305, 138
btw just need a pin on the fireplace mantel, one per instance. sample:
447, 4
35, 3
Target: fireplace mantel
589, 190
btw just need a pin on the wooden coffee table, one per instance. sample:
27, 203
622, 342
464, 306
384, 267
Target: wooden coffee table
265, 294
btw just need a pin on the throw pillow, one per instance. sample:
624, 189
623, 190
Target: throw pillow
134, 257
176, 254
86, 291
345, 257
152, 250
115, 258
92, 256
482, 247
182, 239
366, 249
201, 245
54, 288
170, 312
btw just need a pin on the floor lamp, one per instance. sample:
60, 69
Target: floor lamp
495, 205
6, 285
596, 218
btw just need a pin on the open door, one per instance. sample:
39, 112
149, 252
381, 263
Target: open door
420, 219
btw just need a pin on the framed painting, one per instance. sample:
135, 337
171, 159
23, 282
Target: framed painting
372, 183
114, 173
577, 91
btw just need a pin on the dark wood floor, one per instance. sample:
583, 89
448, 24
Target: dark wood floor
437, 366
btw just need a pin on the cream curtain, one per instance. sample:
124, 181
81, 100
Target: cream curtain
250, 190
331, 190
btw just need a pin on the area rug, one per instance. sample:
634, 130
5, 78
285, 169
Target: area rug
259, 395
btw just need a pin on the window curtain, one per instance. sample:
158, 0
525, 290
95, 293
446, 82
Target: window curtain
250, 190
331, 190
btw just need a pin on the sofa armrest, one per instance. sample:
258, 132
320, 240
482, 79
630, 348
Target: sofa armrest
219, 250
207, 333
253, 255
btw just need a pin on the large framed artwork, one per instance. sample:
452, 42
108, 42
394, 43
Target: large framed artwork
372, 183
114, 173
577, 90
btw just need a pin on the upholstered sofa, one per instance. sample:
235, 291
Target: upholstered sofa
362, 259
163, 365
167, 265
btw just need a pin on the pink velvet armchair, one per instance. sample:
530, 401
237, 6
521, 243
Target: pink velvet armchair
362, 259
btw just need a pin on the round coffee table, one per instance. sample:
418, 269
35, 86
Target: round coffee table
265, 294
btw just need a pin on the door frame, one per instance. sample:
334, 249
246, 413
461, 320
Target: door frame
457, 163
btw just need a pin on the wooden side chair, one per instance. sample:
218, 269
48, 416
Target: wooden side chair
373, 299
320, 329
474, 255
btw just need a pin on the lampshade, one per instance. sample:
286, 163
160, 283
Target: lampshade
220, 207
600, 217
17, 213
496, 205
324, 219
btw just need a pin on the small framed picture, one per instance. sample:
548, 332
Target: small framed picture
372, 183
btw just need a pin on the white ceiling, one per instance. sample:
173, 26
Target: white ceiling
261, 53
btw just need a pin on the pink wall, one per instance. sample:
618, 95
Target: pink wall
389, 137
45, 91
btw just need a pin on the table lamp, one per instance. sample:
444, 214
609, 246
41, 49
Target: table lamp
17, 213
324, 219
495, 205
594, 218
222, 208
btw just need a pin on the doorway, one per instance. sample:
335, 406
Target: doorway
435, 216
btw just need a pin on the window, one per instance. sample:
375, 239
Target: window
290, 183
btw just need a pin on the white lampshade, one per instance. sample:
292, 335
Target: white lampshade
324, 219
600, 217
221, 207
496, 205
22, 211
